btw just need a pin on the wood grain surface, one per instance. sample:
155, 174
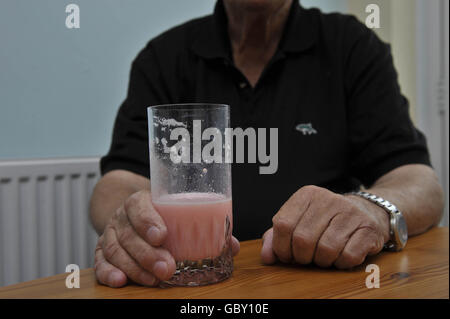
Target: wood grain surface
420, 271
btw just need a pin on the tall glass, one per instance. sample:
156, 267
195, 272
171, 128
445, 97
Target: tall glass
191, 188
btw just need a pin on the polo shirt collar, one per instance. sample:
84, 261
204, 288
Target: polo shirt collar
212, 41
300, 32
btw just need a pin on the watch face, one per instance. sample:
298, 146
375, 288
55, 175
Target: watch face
402, 230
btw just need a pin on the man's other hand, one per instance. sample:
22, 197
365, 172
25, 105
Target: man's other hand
317, 225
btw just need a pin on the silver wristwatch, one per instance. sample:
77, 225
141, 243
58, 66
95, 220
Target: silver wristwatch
398, 229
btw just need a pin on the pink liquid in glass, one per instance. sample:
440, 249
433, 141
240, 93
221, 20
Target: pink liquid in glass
196, 223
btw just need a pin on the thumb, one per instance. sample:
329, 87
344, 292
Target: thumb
267, 255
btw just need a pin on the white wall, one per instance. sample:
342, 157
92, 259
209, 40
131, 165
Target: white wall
432, 39
397, 27
60, 88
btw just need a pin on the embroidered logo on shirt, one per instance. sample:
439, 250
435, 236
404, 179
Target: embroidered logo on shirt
306, 129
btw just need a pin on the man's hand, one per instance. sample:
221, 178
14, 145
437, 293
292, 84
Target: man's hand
130, 246
317, 225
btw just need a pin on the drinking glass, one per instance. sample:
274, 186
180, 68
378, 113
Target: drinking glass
191, 188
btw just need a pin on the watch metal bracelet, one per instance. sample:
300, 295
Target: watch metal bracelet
397, 239
388, 206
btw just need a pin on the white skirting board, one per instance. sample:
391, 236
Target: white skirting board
44, 217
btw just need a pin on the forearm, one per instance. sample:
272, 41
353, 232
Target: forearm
415, 190
110, 192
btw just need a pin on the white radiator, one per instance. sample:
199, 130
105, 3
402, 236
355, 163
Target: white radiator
44, 218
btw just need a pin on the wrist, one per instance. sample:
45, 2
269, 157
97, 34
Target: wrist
376, 211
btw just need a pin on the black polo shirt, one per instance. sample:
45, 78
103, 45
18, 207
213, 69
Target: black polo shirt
330, 74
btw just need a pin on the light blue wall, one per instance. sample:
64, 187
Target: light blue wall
60, 88
326, 5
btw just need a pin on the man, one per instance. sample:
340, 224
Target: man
277, 65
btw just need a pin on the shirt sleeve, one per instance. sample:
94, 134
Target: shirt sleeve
382, 136
129, 146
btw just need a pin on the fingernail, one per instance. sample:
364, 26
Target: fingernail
153, 234
147, 278
160, 269
115, 278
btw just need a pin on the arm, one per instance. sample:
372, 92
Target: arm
415, 190
110, 192
131, 232
316, 225
386, 153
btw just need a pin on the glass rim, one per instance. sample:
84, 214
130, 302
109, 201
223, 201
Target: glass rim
188, 106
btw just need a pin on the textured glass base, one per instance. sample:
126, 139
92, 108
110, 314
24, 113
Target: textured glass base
202, 272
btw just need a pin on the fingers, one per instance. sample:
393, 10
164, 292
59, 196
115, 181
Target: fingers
145, 219
115, 255
267, 255
313, 223
155, 260
106, 273
334, 239
317, 225
235, 246
362, 243
285, 221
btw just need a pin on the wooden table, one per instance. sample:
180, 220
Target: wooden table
420, 271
